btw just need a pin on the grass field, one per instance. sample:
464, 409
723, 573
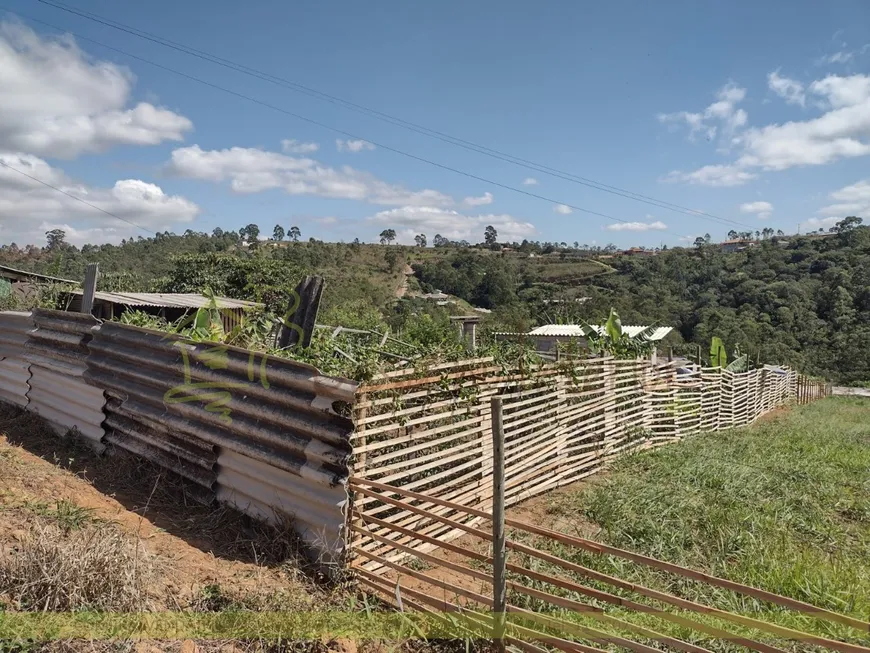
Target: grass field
783, 506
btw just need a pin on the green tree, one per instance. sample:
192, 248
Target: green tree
295, 234
490, 235
388, 236
278, 232
250, 233
420, 240
56, 239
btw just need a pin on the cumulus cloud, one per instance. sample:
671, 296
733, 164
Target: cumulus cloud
658, 225
850, 200
55, 101
563, 209
530, 181
722, 114
762, 210
842, 131
351, 145
713, 175
412, 220
813, 224
251, 170
788, 89
291, 146
484, 199
138, 201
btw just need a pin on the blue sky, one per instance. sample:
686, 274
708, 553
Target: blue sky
758, 113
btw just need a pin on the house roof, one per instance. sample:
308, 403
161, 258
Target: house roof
169, 300
6, 270
576, 330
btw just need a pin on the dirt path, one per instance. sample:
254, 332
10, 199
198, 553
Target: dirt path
192, 548
403, 288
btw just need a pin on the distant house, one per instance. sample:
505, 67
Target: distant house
436, 296
639, 251
736, 245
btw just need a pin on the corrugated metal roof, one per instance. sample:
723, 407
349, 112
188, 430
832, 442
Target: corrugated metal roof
576, 330
169, 300
34, 275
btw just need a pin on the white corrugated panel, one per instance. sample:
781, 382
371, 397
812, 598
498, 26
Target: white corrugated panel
67, 403
576, 330
263, 491
14, 377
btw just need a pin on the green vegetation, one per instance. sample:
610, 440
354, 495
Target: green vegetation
802, 301
783, 506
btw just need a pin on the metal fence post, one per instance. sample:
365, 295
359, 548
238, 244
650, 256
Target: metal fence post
89, 287
499, 551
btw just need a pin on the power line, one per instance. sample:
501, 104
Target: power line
77, 199
432, 133
335, 129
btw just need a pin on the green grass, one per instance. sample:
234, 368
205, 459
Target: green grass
783, 506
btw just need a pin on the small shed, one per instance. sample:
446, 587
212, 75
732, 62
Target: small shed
169, 306
23, 284
547, 337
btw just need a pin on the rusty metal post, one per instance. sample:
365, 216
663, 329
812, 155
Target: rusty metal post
499, 551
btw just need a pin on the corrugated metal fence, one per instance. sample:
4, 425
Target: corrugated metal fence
266, 435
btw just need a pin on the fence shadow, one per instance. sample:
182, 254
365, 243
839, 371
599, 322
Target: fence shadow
165, 499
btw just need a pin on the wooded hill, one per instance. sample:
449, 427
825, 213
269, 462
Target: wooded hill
804, 301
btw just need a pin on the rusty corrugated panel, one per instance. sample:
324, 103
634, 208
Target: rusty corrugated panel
14, 370
266, 492
57, 351
185, 400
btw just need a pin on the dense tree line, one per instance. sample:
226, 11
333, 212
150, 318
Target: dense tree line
804, 301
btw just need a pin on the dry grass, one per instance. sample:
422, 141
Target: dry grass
93, 568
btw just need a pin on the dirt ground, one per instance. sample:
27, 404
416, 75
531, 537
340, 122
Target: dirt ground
192, 551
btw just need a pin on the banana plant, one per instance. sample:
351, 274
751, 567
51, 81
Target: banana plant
718, 355
617, 342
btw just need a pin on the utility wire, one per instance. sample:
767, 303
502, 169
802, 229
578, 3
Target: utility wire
334, 129
432, 133
77, 199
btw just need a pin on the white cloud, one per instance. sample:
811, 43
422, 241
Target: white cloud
139, 202
843, 131
530, 181
291, 146
56, 101
431, 220
761, 209
837, 57
562, 209
814, 224
486, 198
722, 114
351, 145
788, 89
251, 170
713, 175
850, 200
658, 225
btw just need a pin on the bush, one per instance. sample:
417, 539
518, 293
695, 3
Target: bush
54, 570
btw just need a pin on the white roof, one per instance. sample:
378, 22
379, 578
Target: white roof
577, 331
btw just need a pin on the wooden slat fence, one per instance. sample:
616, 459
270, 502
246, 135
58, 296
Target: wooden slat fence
554, 602
431, 432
